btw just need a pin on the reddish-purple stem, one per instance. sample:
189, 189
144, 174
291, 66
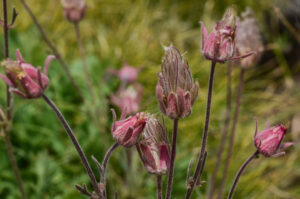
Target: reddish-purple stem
75, 143
83, 58
104, 164
9, 98
232, 135
173, 156
224, 132
240, 172
159, 187
198, 171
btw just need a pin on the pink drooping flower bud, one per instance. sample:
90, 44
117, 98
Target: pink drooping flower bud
175, 89
127, 131
155, 147
24, 79
248, 38
268, 142
128, 98
126, 74
74, 10
219, 45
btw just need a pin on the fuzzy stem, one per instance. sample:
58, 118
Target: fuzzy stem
75, 143
232, 135
159, 187
173, 155
224, 132
198, 171
104, 164
9, 98
83, 58
53, 48
240, 172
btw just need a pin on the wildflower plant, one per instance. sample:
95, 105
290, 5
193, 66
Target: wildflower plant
176, 92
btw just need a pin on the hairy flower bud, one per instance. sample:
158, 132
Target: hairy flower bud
24, 79
155, 147
268, 141
175, 89
127, 131
74, 10
219, 45
128, 98
248, 38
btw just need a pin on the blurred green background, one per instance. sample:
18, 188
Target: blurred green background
134, 31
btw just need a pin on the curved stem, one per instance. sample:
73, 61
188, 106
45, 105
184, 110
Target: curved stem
159, 187
104, 164
173, 155
9, 98
240, 172
198, 171
224, 132
75, 143
53, 48
232, 135
83, 58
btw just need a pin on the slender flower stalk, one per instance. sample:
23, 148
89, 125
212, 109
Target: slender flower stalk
13, 162
232, 135
198, 172
173, 155
75, 143
159, 187
104, 165
224, 132
240, 172
9, 99
53, 48
83, 58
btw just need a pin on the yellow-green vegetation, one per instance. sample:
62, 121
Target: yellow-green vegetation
134, 31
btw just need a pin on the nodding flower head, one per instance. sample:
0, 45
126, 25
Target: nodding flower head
268, 141
128, 98
248, 38
219, 45
74, 10
24, 79
128, 74
175, 89
155, 147
127, 131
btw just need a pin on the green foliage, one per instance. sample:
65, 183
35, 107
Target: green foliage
134, 31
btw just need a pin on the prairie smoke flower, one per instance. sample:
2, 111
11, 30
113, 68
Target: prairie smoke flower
155, 147
126, 74
128, 98
268, 142
248, 38
74, 10
175, 89
127, 131
24, 79
219, 45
